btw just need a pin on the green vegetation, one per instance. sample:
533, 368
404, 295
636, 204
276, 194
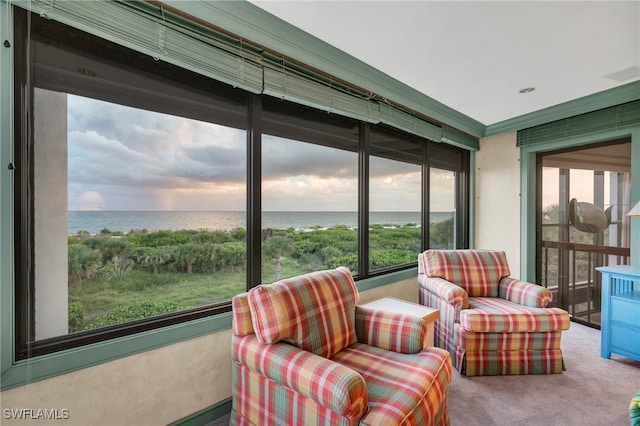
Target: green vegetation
116, 277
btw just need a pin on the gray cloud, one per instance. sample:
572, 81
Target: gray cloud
283, 158
136, 159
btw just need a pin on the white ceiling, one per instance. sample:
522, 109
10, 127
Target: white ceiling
475, 56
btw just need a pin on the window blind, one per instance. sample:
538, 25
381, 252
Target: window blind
616, 117
140, 29
409, 123
457, 138
287, 84
151, 30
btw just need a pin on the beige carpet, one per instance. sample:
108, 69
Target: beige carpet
592, 391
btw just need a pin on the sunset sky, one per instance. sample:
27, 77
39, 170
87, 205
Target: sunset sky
123, 158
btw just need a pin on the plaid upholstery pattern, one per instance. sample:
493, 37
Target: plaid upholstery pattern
334, 386
478, 342
258, 400
524, 293
492, 314
391, 331
511, 332
430, 291
477, 271
277, 383
402, 389
494, 363
445, 290
241, 325
315, 312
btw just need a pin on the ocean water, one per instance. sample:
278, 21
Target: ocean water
125, 221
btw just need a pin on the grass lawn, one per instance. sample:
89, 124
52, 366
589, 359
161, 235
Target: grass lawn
161, 293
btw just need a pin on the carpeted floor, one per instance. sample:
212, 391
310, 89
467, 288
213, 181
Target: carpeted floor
593, 391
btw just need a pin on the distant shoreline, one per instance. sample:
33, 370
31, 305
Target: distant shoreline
126, 220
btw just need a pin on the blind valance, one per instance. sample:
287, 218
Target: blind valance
616, 117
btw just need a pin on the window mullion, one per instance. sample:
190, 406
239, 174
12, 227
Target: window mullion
254, 191
363, 201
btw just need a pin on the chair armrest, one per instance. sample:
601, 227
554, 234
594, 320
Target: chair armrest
397, 332
524, 293
332, 385
446, 290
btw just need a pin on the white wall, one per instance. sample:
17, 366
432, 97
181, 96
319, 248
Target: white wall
152, 388
497, 192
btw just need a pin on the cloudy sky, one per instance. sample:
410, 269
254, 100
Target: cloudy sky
123, 158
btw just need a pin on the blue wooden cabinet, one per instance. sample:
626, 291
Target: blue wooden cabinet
620, 330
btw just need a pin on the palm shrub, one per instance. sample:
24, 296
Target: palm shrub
154, 257
83, 263
274, 249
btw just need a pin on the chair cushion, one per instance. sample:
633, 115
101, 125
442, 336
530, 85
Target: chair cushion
393, 331
241, 325
315, 312
401, 389
491, 314
477, 271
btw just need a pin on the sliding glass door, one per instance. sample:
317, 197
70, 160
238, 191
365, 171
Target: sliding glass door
582, 223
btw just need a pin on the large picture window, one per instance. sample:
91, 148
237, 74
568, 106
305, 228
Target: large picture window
148, 195
138, 189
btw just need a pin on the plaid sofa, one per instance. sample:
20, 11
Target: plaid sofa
304, 353
490, 323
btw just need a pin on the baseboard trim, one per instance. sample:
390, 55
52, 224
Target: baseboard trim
206, 415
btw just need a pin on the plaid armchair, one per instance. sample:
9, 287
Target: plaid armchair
490, 323
303, 353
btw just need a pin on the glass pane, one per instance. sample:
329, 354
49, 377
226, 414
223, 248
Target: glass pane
585, 196
395, 199
136, 213
442, 202
309, 191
